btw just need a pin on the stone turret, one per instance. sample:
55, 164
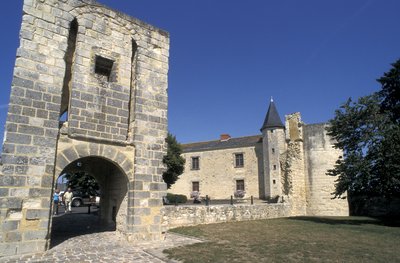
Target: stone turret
273, 134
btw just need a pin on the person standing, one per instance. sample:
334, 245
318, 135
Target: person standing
56, 201
68, 199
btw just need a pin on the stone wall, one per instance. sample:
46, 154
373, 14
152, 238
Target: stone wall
120, 103
176, 216
217, 174
319, 157
293, 183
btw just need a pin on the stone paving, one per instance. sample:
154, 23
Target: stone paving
78, 238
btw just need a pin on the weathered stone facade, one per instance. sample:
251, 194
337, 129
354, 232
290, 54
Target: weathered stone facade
89, 92
287, 162
217, 168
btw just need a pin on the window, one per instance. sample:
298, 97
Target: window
272, 131
273, 181
103, 66
274, 167
195, 163
239, 160
273, 150
239, 185
195, 186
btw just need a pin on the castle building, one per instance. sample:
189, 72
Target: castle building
286, 162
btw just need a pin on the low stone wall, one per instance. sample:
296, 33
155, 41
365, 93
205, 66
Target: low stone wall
188, 215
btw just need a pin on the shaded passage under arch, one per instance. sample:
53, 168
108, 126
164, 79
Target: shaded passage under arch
112, 211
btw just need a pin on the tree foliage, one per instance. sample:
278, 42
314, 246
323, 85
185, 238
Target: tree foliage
83, 181
368, 132
173, 160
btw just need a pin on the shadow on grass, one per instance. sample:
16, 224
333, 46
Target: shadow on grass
353, 220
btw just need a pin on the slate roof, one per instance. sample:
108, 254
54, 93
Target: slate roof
218, 144
272, 120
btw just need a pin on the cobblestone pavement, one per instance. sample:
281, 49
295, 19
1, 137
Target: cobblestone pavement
101, 245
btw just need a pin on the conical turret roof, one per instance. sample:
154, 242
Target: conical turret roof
272, 120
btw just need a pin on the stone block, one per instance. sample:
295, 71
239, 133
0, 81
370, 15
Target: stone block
10, 225
25, 129
29, 112
21, 169
11, 202
25, 149
13, 236
18, 118
31, 247
158, 187
33, 214
136, 185
141, 194
19, 192
44, 141
22, 82
18, 138
39, 192
34, 179
47, 181
12, 180
35, 235
7, 169
32, 204
8, 148
4, 192
144, 177
51, 133
14, 159
155, 202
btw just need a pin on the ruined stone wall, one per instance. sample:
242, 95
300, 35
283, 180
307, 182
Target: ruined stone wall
319, 157
217, 174
126, 107
176, 216
293, 174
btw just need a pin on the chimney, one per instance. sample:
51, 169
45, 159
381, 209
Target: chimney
225, 137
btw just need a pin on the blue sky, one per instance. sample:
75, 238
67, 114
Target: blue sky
228, 57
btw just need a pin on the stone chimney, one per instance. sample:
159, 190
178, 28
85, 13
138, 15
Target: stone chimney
225, 137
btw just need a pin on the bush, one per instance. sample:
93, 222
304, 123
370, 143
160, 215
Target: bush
273, 199
181, 199
239, 193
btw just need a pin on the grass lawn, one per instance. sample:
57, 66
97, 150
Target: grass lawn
296, 239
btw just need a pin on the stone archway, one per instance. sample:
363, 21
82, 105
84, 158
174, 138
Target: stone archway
111, 166
113, 187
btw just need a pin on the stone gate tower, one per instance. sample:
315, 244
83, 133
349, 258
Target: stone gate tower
89, 93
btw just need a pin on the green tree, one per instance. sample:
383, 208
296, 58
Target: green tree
368, 132
83, 181
173, 160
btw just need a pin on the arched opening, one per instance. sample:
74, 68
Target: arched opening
107, 214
